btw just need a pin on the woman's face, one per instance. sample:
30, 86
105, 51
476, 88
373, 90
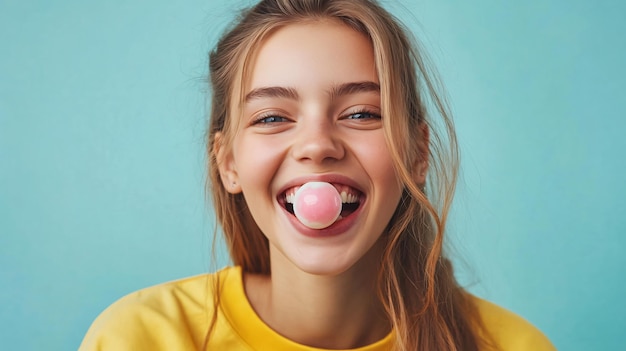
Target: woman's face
312, 112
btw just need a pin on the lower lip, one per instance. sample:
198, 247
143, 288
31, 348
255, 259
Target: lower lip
339, 227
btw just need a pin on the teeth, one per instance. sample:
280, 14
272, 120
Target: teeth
346, 196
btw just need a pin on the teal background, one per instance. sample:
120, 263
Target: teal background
102, 157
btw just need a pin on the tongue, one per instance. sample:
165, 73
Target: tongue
317, 205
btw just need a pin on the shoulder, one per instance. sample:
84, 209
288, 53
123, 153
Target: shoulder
509, 331
172, 316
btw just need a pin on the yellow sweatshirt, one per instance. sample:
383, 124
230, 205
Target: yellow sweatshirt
176, 316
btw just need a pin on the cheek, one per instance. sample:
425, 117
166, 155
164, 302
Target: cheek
257, 160
381, 170
379, 159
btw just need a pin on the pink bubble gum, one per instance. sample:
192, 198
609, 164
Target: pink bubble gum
317, 205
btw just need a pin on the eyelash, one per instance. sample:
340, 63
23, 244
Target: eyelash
363, 112
265, 118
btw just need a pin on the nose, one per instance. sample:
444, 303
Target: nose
317, 142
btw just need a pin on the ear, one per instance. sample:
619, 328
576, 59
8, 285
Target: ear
424, 152
226, 165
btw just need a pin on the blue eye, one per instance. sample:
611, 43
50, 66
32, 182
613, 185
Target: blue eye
363, 115
270, 119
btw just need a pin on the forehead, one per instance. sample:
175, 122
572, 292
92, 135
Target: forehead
312, 53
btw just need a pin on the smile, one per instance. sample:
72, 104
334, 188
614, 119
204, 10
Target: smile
350, 199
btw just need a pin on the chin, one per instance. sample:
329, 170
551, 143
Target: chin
325, 264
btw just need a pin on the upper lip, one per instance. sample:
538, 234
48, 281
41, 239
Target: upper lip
328, 178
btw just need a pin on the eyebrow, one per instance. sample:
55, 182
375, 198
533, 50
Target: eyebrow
354, 88
334, 92
272, 92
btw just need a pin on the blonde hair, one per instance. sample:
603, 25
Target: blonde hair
416, 285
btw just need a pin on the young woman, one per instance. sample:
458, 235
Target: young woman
328, 93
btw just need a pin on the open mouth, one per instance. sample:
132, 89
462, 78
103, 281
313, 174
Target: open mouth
350, 199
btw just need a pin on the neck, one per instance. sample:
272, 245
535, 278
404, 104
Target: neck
336, 312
